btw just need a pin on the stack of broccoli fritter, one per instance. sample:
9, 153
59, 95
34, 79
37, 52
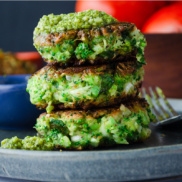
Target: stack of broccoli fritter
91, 83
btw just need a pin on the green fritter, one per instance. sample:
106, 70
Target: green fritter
88, 37
84, 87
78, 129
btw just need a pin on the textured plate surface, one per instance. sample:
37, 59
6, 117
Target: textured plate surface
158, 157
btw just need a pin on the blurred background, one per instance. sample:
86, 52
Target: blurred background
160, 21
19, 18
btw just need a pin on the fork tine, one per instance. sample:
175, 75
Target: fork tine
162, 96
161, 108
152, 106
157, 100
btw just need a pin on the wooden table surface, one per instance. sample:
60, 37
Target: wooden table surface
164, 63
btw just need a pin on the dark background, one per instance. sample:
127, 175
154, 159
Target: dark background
19, 18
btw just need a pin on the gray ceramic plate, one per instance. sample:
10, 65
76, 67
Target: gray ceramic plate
158, 157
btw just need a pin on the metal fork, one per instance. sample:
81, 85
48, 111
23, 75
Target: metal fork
161, 108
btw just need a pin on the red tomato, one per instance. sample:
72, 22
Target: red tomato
27, 55
166, 20
31, 56
132, 11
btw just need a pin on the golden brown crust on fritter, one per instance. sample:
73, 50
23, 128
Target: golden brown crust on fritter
56, 38
124, 68
134, 104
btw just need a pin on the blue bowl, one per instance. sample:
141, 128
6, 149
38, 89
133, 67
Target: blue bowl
16, 110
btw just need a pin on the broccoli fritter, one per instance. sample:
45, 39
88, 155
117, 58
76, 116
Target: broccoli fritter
79, 129
84, 87
102, 40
